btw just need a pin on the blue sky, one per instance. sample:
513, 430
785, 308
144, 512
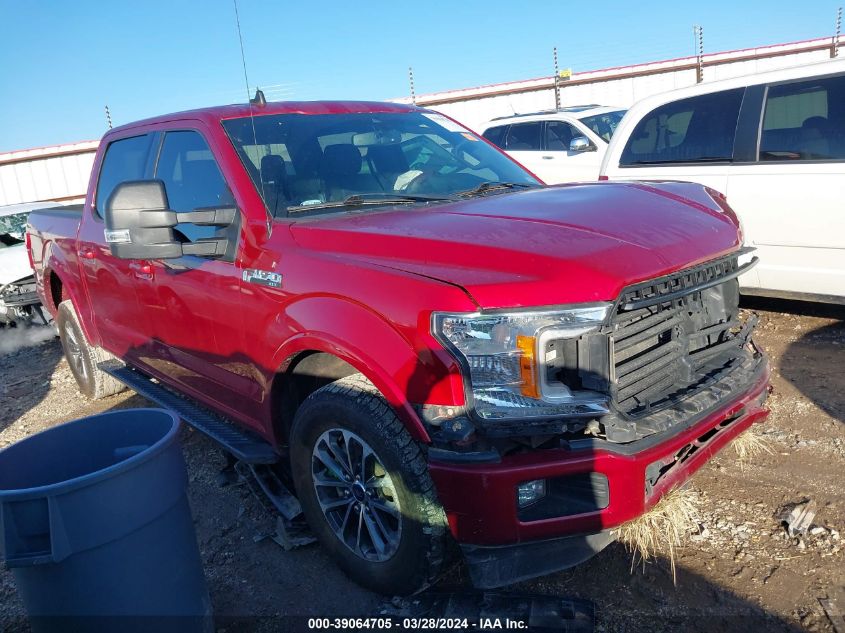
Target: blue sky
63, 61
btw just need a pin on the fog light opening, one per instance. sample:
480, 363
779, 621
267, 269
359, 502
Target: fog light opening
530, 492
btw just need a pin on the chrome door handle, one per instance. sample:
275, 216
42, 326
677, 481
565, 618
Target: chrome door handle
548, 157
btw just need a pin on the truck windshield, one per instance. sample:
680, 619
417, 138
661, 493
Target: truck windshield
315, 163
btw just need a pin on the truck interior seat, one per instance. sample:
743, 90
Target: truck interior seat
340, 170
273, 181
305, 182
386, 163
815, 137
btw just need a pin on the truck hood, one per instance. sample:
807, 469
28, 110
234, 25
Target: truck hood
550, 246
14, 264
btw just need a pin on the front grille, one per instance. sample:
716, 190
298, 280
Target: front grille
683, 282
671, 336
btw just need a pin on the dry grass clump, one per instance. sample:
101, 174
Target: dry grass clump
750, 445
661, 529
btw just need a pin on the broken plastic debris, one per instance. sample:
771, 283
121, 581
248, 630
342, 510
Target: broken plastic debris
799, 518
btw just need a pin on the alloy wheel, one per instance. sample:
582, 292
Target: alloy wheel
75, 352
356, 494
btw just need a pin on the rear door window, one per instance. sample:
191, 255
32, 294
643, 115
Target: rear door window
804, 121
524, 137
695, 130
125, 159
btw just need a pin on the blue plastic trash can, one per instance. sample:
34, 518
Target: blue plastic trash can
96, 528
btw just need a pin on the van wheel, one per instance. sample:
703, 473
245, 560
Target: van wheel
82, 357
365, 489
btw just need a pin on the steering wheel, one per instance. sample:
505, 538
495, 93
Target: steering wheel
419, 183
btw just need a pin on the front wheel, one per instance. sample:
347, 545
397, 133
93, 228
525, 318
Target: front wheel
365, 489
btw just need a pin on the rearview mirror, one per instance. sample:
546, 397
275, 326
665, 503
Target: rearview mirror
139, 224
581, 144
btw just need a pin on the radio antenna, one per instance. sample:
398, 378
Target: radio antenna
259, 99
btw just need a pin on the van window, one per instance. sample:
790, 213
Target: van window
125, 159
804, 121
559, 135
524, 137
693, 130
496, 135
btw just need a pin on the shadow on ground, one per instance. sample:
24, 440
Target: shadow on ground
807, 361
645, 598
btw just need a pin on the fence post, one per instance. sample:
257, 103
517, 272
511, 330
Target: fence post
698, 35
411, 80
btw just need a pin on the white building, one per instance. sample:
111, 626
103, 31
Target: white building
620, 86
58, 174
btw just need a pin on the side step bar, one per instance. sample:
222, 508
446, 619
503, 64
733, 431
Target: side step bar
244, 445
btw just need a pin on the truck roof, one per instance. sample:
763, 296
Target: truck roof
234, 111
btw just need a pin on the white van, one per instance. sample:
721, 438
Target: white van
774, 144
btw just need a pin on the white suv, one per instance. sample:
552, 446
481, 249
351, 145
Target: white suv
566, 145
774, 144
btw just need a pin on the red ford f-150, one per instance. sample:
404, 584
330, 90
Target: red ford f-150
428, 344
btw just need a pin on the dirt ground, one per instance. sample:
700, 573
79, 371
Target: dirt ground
739, 571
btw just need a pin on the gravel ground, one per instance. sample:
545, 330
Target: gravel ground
739, 570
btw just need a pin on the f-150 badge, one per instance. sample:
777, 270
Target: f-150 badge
262, 277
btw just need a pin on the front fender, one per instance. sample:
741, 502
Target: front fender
376, 348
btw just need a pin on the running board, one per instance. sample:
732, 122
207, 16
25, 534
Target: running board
244, 445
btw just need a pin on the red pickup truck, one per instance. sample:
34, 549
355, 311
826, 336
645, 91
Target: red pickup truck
430, 344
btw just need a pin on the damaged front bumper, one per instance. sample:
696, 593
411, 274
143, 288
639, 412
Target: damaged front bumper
592, 485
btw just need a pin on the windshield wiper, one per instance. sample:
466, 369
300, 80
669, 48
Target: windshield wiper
486, 187
367, 199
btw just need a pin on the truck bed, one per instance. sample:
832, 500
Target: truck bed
54, 229
74, 210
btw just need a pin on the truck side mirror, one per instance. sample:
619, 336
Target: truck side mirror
139, 224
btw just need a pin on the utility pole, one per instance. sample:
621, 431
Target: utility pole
108, 116
698, 38
557, 81
411, 81
834, 50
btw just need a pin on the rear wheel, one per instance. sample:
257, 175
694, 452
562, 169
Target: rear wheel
365, 489
83, 358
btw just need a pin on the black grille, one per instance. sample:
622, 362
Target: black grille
672, 286
671, 335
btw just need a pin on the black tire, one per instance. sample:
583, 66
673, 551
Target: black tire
353, 404
82, 357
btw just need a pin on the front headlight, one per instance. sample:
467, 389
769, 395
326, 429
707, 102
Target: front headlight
505, 357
